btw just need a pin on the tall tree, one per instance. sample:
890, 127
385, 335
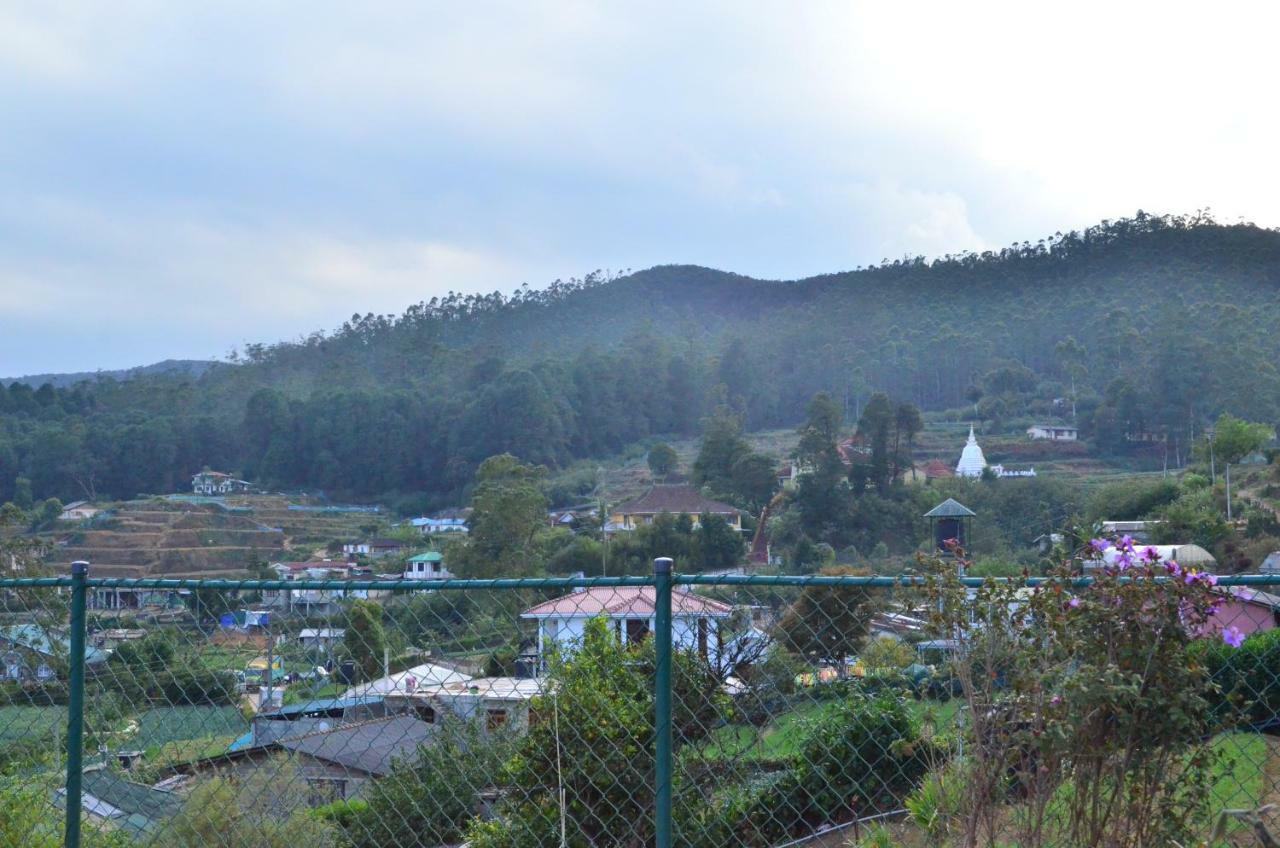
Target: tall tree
507, 511
1233, 440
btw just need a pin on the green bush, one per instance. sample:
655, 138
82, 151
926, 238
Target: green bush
862, 754
1246, 680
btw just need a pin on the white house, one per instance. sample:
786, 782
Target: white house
317, 601
1053, 432
428, 566
450, 525
217, 483
321, 638
500, 701
425, 676
78, 511
630, 612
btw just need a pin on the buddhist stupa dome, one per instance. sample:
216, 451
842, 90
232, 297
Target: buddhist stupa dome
972, 462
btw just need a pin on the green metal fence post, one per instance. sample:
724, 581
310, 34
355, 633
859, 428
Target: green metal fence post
662, 701
75, 703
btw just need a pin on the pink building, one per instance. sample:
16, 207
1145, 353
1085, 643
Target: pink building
1247, 609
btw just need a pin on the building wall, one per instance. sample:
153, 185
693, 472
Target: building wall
567, 634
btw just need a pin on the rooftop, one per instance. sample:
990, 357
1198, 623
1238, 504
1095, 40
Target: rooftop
409, 680
675, 499
429, 556
950, 508
370, 746
624, 602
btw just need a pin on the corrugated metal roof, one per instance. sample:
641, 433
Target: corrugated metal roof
950, 508
370, 747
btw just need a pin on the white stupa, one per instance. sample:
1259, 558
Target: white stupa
972, 462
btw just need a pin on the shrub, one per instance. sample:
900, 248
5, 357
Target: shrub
860, 755
1244, 682
430, 800
1084, 704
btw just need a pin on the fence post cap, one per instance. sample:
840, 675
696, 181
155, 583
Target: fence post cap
79, 567
662, 565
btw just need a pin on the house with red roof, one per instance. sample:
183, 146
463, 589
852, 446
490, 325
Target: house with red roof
629, 612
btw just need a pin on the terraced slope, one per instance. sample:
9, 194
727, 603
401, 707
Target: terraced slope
203, 537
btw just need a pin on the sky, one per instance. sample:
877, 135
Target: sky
179, 179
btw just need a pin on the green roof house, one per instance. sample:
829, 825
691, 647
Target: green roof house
426, 566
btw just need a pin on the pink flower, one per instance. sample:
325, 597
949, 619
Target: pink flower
1073, 603
1055, 700
1233, 636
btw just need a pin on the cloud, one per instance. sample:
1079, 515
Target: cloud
181, 179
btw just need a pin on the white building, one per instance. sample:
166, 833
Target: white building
499, 701
321, 638
630, 612
78, 511
409, 681
428, 566
217, 483
972, 462
1053, 432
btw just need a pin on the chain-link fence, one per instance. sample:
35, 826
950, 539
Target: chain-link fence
662, 710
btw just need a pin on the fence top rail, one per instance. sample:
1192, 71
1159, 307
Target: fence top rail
566, 583
399, 585
920, 580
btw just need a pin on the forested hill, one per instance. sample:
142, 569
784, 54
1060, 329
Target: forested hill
1159, 322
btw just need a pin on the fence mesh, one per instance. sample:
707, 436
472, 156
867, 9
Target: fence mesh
818, 711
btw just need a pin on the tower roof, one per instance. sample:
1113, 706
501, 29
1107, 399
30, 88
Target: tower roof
950, 508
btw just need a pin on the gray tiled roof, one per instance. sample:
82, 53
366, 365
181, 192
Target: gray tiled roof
369, 747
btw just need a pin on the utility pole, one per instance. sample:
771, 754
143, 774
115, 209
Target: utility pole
266, 700
1213, 472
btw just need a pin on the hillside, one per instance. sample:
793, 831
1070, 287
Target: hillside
169, 367
192, 538
1146, 325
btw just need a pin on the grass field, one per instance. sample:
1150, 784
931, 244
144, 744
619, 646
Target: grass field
167, 725
19, 723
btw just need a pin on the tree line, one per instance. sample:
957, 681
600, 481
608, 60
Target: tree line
1140, 331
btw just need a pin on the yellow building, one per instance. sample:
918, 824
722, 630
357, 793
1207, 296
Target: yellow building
674, 499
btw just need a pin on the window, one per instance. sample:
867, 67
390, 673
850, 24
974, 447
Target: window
637, 630
493, 719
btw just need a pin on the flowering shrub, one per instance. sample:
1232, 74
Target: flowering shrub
1087, 723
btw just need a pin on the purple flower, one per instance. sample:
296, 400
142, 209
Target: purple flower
1150, 554
1172, 567
1126, 543
1125, 559
1233, 636
1209, 579
1055, 700
1073, 603
1099, 545
1190, 576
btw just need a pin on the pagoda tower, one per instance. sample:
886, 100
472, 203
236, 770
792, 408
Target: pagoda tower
972, 462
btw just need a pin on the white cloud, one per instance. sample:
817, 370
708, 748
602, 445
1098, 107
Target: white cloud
214, 174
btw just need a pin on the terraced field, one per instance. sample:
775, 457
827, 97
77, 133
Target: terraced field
201, 537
